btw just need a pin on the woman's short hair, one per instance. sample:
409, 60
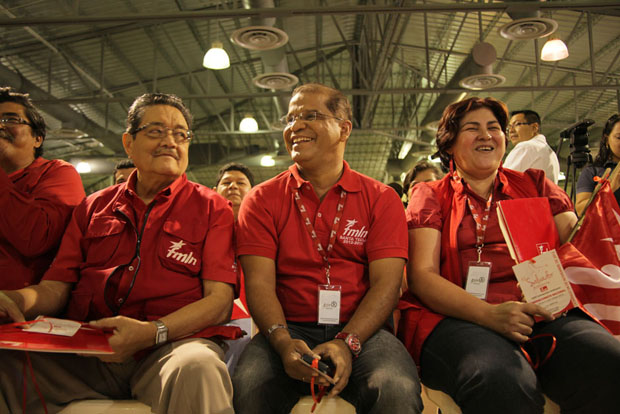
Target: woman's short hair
451, 118
604, 153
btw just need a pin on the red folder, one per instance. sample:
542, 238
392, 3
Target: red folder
87, 340
528, 227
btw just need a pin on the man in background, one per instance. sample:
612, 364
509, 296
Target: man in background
530, 146
122, 170
37, 195
234, 180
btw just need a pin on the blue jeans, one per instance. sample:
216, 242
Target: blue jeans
485, 372
384, 378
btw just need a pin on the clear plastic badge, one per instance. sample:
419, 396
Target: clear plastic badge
329, 304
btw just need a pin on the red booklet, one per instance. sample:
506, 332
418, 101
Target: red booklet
528, 227
56, 338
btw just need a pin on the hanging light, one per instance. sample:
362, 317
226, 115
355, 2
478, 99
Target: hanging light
248, 124
216, 57
554, 50
267, 161
83, 167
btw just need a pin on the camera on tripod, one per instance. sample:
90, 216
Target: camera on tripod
578, 139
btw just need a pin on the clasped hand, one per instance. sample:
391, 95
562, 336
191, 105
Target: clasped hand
336, 351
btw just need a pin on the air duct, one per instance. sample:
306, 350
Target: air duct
527, 24
484, 56
262, 36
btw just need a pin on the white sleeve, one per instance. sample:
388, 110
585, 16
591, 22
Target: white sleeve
520, 158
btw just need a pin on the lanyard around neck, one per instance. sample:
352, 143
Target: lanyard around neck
332, 235
482, 219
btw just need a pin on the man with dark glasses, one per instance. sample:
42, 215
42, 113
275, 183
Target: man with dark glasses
150, 259
36, 195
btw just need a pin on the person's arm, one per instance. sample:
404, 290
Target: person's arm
581, 201
47, 298
34, 222
565, 223
512, 319
266, 310
132, 335
385, 277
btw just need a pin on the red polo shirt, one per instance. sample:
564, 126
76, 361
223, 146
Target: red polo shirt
35, 205
184, 234
372, 227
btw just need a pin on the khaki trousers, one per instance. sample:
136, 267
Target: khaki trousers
187, 376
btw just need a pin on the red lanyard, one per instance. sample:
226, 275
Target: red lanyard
481, 219
310, 229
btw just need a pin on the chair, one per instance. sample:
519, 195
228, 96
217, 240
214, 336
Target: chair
447, 405
106, 407
334, 405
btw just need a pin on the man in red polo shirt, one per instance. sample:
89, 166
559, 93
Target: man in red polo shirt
36, 195
151, 259
323, 248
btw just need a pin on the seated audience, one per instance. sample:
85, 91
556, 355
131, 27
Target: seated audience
37, 195
530, 146
234, 180
151, 259
423, 172
469, 346
607, 157
323, 249
122, 170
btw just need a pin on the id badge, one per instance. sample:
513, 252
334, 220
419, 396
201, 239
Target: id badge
478, 275
329, 304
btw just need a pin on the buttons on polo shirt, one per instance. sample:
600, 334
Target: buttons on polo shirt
320, 215
120, 301
130, 268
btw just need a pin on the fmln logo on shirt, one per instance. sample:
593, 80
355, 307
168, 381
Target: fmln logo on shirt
352, 235
173, 251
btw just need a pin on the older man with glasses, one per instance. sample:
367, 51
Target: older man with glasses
323, 249
530, 146
37, 195
151, 260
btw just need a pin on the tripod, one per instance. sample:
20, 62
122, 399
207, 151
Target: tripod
576, 159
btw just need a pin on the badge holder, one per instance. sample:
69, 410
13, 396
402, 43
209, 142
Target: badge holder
478, 275
329, 304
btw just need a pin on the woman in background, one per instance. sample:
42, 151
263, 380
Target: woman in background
607, 157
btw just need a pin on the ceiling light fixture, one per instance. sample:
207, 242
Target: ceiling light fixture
216, 57
267, 161
83, 167
554, 50
248, 124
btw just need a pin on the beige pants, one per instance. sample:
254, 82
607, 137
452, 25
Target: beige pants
186, 376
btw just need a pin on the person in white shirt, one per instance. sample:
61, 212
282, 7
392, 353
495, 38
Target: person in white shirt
530, 146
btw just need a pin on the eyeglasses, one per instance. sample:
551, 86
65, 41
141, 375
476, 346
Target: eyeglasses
517, 124
11, 121
289, 120
155, 130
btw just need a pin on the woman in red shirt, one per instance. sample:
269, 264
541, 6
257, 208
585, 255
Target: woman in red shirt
467, 345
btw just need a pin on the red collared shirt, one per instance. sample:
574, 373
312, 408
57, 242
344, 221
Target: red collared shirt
185, 236
372, 227
35, 204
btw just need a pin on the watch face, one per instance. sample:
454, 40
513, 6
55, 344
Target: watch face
354, 344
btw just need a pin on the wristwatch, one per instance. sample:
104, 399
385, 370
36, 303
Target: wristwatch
352, 341
162, 332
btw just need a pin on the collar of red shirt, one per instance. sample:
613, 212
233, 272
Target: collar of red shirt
172, 189
15, 175
349, 181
